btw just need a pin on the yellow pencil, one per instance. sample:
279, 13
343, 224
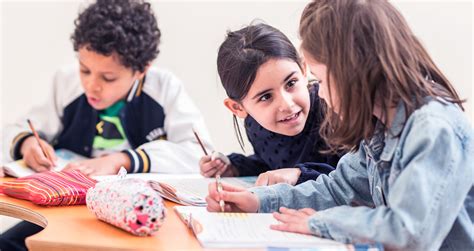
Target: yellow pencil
39, 141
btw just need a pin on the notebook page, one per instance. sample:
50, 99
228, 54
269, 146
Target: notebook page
242, 230
20, 169
198, 188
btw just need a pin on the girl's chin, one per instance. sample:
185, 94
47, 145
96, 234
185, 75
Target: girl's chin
293, 131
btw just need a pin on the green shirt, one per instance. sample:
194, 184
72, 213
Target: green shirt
110, 135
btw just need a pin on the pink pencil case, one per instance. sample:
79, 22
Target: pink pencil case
64, 188
130, 204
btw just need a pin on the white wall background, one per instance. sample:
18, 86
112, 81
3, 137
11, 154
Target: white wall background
35, 42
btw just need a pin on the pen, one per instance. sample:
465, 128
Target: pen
218, 177
200, 142
219, 190
39, 141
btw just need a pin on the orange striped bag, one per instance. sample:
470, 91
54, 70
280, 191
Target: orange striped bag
50, 188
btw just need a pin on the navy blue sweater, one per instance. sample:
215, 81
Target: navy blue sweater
274, 151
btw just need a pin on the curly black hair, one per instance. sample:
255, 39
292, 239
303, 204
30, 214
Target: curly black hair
127, 27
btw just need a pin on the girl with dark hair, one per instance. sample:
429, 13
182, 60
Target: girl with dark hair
113, 106
267, 86
407, 181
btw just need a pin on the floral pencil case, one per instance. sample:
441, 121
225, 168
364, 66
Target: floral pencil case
130, 204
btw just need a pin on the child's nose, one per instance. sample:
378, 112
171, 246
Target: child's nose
93, 86
286, 102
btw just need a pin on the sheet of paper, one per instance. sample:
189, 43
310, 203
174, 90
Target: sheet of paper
244, 230
20, 169
199, 187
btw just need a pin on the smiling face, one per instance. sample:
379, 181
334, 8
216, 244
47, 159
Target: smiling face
278, 98
104, 79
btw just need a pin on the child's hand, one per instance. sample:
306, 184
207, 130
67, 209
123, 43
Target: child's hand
293, 220
109, 164
236, 199
210, 168
34, 157
284, 175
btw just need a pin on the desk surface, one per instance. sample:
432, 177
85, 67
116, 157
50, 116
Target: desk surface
75, 228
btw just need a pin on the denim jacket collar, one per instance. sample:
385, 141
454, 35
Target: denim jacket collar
393, 135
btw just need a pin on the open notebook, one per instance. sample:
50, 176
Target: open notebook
184, 189
246, 230
20, 169
192, 192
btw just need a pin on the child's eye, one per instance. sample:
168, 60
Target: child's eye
85, 71
265, 97
109, 79
291, 83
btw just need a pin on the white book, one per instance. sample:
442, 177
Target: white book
19, 168
246, 230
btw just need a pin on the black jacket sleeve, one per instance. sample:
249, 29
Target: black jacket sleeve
248, 165
311, 170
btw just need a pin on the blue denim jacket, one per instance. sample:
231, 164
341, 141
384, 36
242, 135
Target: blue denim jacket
413, 191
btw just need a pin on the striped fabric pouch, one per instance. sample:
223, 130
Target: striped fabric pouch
50, 188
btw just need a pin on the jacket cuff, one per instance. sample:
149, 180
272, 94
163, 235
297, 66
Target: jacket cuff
306, 174
139, 160
16, 145
267, 197
311, 171
318, 227
236, 162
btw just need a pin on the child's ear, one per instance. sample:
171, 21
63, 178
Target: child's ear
235, 107
142, 74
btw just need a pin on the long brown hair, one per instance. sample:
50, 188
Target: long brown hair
371, 54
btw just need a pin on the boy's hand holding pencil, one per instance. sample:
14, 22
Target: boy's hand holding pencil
37, 153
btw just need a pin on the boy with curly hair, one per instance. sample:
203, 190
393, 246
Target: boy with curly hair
113, 107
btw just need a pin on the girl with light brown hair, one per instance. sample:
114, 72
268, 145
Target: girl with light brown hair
407, 181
